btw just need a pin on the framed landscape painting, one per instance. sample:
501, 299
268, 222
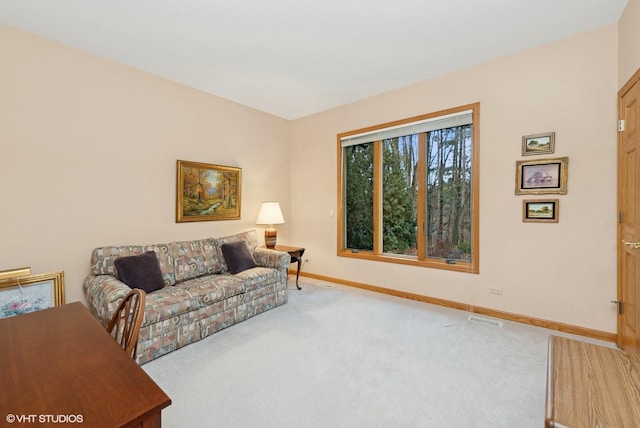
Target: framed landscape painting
541, 211
207, 192
538, 144
542, 176
31, 293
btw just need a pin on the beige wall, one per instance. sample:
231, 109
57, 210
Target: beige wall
88, 151
564, 272
629, 42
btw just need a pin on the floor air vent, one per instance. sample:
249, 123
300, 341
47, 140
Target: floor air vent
485, 321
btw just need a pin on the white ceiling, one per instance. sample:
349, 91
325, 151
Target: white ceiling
293, 58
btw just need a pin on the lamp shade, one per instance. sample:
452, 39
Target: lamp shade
270, 213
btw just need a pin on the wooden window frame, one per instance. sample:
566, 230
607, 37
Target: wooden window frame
421, 260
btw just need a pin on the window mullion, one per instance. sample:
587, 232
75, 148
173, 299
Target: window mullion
377, 197
421, 199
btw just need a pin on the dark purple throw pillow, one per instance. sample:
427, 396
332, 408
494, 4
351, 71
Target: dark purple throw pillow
238, 256
141, 271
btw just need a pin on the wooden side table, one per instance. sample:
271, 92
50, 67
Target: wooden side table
296, 256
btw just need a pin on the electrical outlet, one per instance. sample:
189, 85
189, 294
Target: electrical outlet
495, 290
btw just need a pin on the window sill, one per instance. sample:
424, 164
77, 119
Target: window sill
464, 267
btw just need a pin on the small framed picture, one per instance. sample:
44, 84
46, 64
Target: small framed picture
538, 144
542, 176
540, 210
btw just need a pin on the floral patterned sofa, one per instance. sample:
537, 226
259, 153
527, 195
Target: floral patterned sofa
199, 297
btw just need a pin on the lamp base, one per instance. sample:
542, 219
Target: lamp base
270, 236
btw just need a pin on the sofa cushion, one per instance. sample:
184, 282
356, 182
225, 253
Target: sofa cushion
103, 258
238, 256
165, 259
141, 271
194, 258
169, 303
250, 237
259, 277
210, 289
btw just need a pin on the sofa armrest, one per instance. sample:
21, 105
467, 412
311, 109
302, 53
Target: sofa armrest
271, 258
103, 293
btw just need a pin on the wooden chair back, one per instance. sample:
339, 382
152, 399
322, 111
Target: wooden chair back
125, 324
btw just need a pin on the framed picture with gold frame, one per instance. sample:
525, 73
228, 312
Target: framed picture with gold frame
541, 210
542, 176
207, 192
24, 294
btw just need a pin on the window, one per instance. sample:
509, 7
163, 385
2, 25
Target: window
409, 191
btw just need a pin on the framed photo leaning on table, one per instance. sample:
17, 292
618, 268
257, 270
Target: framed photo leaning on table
31, 293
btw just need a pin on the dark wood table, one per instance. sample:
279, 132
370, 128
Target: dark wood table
591, 386
296, 256
60, 365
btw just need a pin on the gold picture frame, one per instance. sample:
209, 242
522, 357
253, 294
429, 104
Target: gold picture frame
542, 176
31, 293
541, 210
207, 192
14, 273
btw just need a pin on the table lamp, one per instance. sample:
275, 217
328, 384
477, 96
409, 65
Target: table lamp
270, 214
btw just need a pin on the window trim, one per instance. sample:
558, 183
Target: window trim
421, 260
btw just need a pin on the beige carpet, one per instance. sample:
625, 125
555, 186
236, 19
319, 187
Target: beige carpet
336, 356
